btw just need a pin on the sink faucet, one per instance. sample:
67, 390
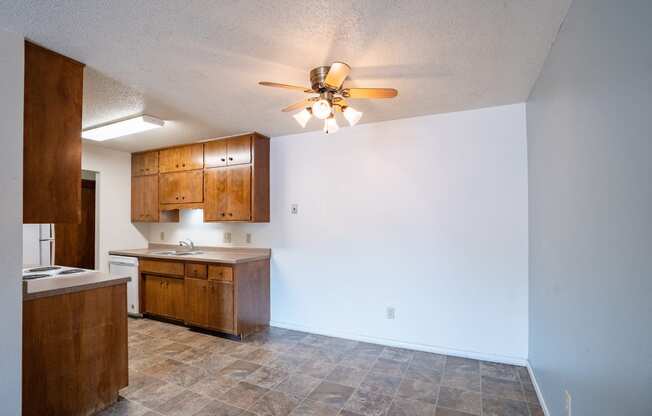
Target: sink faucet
187, 243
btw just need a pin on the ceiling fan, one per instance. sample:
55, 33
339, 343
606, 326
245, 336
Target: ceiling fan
327, 82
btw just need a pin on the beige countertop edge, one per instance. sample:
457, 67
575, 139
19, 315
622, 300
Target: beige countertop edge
209, 257
73, 288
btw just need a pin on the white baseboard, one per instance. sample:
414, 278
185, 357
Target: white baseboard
542, 402
396, 343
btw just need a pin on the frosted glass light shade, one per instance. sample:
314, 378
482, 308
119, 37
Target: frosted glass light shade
302, 117
330, 125
352, 115
321, 109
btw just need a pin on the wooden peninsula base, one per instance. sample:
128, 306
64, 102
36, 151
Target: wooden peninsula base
74, 350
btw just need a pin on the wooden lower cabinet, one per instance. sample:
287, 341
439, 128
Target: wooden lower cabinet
233, 299
196, 301
165, 296
74, 352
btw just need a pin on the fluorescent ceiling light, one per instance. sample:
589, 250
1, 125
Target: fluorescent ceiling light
123, 128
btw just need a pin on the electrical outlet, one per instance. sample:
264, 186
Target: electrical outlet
227, 237
294, 208
568, 403
390, 312
162, 236
248, 238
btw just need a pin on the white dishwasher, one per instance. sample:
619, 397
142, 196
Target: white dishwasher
127, 266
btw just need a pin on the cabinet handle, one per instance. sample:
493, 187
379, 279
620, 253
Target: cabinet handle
230, 214
222, 159
222, 214
230, 158
183, 197
183, 165
177, 197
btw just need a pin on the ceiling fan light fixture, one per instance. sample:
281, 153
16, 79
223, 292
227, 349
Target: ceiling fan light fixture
322, 109
330, 125
352, 115
302, 117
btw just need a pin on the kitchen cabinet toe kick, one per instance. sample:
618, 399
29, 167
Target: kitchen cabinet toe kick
232, 299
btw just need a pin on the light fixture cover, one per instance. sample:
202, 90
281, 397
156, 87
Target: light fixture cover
330, 125
352, 115
302, 117
123, 128
321, 109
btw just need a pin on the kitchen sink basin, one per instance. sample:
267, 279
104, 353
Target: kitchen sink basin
176, 253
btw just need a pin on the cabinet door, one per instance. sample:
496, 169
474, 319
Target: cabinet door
215, 153
196, 301
215, 194
144, 163
181, 187
220, 306
154, 295
175, 298
51, 137
181, 158
238, 187
144, 198
238, 150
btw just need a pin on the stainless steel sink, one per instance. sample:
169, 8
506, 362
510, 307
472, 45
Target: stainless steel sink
176, 253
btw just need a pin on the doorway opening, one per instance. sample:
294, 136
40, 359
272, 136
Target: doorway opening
75, 243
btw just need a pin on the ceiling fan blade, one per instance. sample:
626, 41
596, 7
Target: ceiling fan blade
301, 104
337, 74
370, 93
286, 86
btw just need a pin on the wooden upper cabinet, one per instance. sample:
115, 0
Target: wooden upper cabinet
238, 185
227, 194
181, 187
215, 194
144, 163
215, 154
181, 158
227, 152
238, 150
144, 198
52, 137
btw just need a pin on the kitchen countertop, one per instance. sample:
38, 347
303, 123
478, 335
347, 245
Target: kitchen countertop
228, 255
50, 286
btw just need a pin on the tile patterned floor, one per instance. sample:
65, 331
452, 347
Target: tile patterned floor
174, 371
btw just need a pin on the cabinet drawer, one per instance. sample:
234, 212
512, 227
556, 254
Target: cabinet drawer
222, 273
162, 267
196, 270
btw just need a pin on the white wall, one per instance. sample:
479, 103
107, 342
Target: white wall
11, 184
113, 205
428, 215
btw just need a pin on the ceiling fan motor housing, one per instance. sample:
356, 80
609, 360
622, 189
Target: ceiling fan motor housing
317, 77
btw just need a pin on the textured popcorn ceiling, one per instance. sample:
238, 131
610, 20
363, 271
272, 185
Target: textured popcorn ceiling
197, 63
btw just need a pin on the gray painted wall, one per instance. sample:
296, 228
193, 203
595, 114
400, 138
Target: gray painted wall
11, 231
590, 197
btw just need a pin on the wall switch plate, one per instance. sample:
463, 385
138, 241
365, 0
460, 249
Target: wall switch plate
227, 237
248, 238
390, 312
162, 235
294, 208
567, 407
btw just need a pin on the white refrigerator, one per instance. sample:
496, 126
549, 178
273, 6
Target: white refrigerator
38, 244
